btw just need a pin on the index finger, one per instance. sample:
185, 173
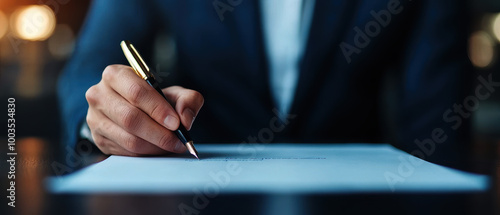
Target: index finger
140, 94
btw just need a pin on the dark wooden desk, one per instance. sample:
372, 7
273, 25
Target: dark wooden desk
37, 159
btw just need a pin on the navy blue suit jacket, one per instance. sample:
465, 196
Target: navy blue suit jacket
352, 45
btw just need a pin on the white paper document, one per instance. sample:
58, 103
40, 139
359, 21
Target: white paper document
271, 168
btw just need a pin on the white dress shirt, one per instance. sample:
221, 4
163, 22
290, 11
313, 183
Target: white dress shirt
286, 26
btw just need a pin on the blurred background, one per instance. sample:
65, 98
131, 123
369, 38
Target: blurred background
37, 38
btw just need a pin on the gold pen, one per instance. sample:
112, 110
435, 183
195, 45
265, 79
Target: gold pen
143, 71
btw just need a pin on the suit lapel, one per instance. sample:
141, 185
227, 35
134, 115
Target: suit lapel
330, 19
329, 23
248, 27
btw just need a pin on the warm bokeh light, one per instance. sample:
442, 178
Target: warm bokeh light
481, 49
34, 23
496, 26
3, 24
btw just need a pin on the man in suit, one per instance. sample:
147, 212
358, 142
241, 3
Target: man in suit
314, 69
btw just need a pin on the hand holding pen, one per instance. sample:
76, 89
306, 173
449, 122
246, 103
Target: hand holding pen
127, 116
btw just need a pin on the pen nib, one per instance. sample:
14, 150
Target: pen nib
191, 149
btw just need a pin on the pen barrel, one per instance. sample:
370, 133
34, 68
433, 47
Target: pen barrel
181, 132
151, 81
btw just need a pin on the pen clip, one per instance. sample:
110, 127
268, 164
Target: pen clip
135, 60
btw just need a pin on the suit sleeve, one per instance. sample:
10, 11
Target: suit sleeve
107, 24
436, 70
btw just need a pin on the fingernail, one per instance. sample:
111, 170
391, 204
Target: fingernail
180, 147
189, 114
171, 122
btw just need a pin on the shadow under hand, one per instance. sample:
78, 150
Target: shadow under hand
204, 155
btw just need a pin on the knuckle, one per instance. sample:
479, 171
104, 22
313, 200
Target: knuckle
91, 95
157, 111
135, 93
103, 126
132, 144
167, 141
196, 96
101, 144
109, 72
90, 121
95, 124
130, 118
